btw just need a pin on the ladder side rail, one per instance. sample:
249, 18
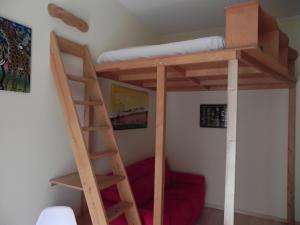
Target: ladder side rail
118, 168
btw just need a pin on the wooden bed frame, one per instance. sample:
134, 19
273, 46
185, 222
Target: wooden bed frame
257, 56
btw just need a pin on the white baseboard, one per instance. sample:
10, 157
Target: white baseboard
258, 215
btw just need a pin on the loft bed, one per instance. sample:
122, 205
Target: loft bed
256, 55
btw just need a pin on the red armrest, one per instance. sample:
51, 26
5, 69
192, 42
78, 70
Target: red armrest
187, 178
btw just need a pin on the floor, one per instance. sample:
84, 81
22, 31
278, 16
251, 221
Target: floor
215, 217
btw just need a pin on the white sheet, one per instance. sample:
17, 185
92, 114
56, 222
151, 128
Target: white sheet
170, 49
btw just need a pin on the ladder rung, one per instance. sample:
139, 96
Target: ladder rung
95, 128
91, 103
98, 155
73, 181
79, 78
107, 181
117, 210
70, 47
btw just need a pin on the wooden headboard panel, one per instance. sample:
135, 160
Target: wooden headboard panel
248, 25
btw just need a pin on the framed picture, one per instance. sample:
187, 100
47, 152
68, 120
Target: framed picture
15, 56
213, 115
129, 108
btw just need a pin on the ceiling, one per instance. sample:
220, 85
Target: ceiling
175, 16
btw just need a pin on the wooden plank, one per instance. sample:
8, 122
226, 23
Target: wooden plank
203, 73
224, 87
70, 181
212, 73
206, 84
231, 142
73, 181
160, 146
80, 79
80, 152
101, 154
89, 137
70, 47
67, 17
118, 209
116, 161
291, 157
184, 83
269, 43
183, 73
242, 25
202, 57
88, 103
95, 128
266, 64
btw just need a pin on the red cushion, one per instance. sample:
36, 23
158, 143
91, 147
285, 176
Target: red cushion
184, 195
141, 177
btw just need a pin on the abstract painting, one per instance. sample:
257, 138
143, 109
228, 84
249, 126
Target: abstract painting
15, 56
213, 115
129, 108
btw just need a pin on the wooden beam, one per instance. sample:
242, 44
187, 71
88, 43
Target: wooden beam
201, 74
202, 57
206, 84
70, 47
291, 157
88, 136
67, 17
160, 146
266, 64
231, 142
183, 73
224, 87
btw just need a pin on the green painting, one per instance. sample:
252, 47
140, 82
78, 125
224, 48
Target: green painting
15, 56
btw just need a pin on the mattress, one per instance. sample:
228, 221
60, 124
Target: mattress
153, 51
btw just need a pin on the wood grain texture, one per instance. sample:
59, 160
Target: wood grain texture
160, 146
291, 157
101, 115
231, 142
89, 182
81, 155
67, 17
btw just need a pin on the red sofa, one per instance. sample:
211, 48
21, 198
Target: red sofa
184, 194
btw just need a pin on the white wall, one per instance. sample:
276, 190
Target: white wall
34, 145
262, 143
261, 159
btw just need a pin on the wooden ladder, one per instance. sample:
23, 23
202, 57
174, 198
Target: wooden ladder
86, 180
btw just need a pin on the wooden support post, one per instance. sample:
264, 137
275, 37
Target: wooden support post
291, 157
231, 142
160, 146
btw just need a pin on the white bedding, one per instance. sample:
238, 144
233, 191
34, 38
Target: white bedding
170, 49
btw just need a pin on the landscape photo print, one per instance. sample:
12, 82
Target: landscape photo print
129, 108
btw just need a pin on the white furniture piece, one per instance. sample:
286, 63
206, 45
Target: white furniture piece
58, 215
163, 50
